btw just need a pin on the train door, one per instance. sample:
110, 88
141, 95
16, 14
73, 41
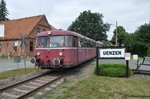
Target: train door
71, 50
81, 51
75, 48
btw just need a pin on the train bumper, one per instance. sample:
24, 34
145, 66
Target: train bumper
56, 63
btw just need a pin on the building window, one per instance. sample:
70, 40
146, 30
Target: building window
7, 44
37, 30
31, 46
14, 47
0, 45
44, 29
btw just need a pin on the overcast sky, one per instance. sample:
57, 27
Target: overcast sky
60, 13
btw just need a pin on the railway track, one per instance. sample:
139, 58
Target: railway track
144, 72
27, 87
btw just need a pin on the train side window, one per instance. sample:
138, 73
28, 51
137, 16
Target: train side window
79, 42
75, 42
82, 42
86, 43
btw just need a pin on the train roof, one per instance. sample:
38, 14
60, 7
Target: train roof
62, 32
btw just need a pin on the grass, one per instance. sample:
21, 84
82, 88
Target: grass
101, 87
15, 72
12, 58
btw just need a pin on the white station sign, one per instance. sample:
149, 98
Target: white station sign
112, 53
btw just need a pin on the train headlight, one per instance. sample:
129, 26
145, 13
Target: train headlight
49, 32
38, 54
60, 53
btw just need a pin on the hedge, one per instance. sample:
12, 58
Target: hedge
113, 70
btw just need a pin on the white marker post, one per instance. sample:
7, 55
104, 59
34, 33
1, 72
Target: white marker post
135, 57
127, 58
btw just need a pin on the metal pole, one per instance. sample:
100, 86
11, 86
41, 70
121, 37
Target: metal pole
127, 68
116, 33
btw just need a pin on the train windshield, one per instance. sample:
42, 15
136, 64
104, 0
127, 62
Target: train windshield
57, 41
43, 42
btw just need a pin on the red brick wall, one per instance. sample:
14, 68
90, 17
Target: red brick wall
7, 46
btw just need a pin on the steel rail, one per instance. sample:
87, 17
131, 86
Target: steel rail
21, 82
38, 88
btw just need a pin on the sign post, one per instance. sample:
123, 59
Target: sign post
112, 53
127, 58
17, 59
23, 45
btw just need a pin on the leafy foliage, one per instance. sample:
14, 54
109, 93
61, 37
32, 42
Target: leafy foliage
120, 35
139, 42
148, 51
3, 11
91, 25
143, 33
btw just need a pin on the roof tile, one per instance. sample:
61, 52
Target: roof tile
23, 26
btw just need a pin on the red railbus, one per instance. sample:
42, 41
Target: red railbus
62, 49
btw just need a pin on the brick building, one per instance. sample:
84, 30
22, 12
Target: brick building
28, 27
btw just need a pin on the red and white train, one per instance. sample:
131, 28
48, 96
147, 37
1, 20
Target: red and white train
62, 49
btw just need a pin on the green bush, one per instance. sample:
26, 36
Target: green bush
148, 51
113, 70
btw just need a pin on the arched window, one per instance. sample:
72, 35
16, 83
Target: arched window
37, 30
44, 29
0, 45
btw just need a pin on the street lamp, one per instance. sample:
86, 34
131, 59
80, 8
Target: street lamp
116, 34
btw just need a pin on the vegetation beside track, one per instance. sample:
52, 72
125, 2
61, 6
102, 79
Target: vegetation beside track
102, 87
16, 72
113, 70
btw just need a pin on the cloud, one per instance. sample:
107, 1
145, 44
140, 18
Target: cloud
61, 13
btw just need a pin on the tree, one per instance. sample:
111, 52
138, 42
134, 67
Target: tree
3, 11
143, 33
121, 33
143, 37
91, 25
139, 41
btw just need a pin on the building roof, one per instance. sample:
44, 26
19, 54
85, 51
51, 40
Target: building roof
22, 25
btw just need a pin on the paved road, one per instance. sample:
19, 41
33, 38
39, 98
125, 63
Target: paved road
9, 65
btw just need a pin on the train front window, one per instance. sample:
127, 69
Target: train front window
56, 41
71, 41
43, 42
